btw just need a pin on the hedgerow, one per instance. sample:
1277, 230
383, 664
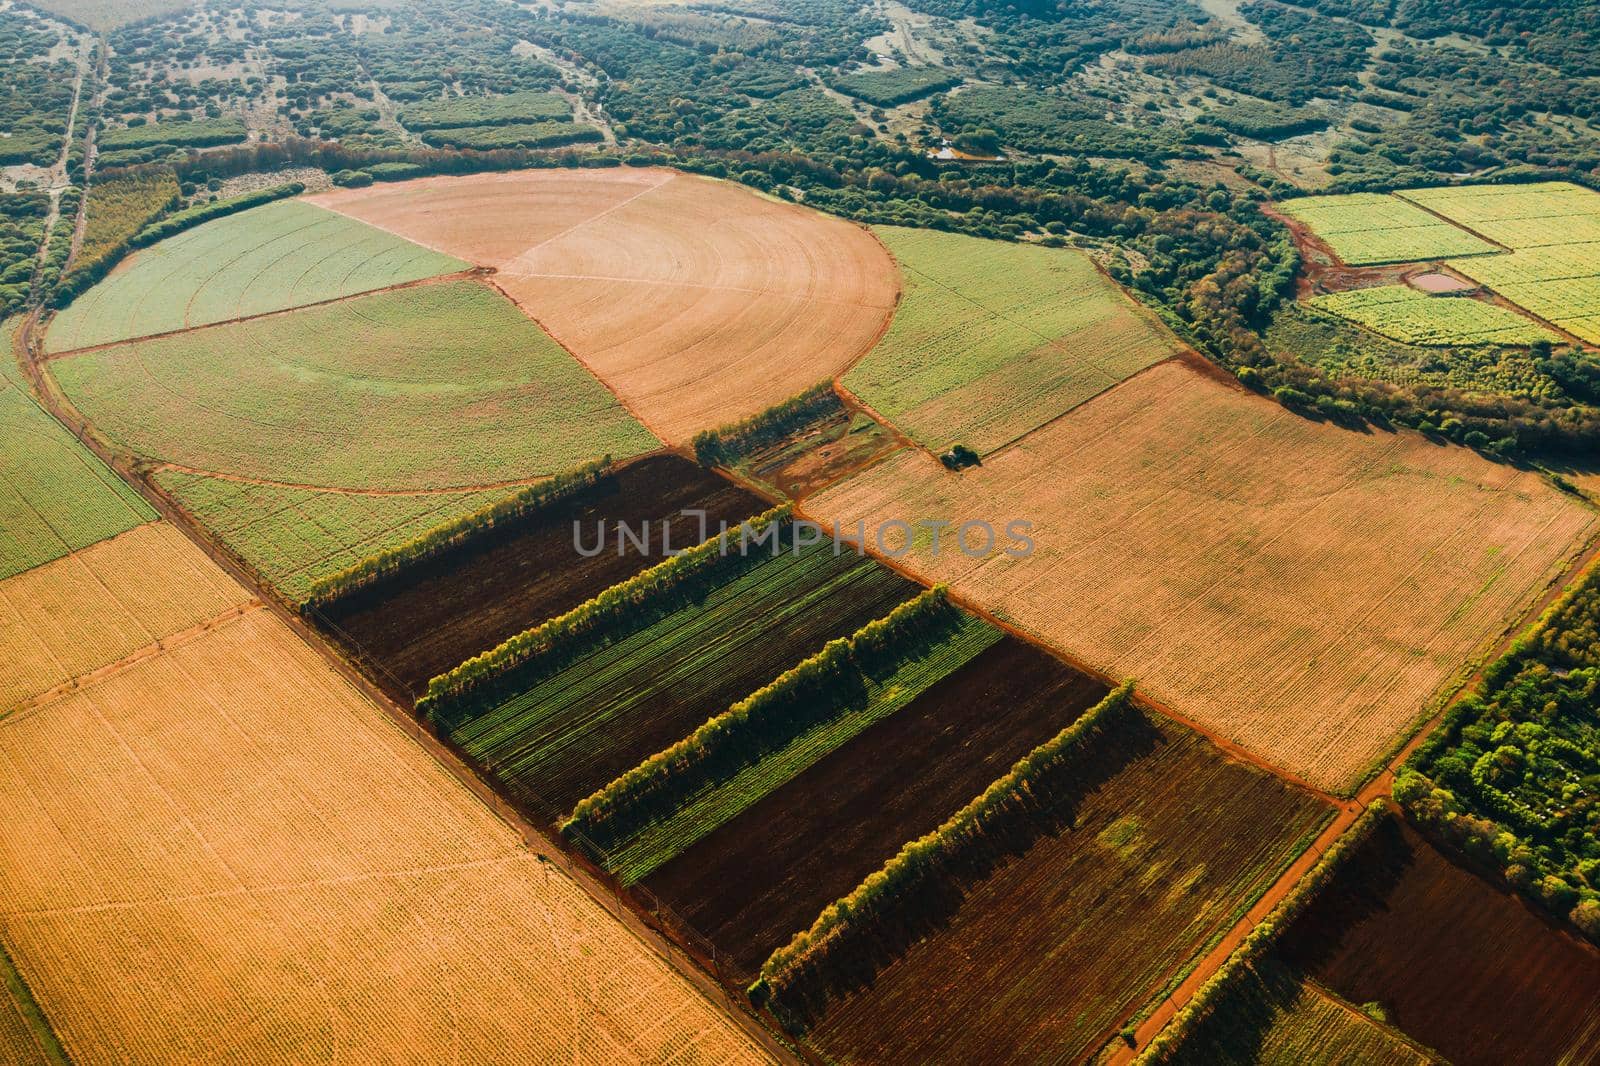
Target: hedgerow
725, 446
795, 979
535, 653
174, 224
452, 534
811, 692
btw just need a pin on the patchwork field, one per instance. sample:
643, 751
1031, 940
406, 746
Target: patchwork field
571, 733
1276, 1016
1302, 589
1124, 876
55, 497
992, 340
220, 851
271, 258
699, 302
67, 618
1403, 313
292, 537
751, 883
1455, 963
440, 386
1366, 229
430, 619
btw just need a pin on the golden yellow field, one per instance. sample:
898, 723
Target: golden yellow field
67, 618
1299, 588
222, 852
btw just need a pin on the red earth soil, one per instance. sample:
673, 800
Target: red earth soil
1459, 965
756, 881
431, 618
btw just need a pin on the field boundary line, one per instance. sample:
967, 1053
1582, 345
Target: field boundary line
152, 650
622, 401
473, 274
1378, 788
537, 841
672, 176
669, 283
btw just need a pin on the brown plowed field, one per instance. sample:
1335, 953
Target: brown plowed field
1046, 956
1456, 963
1302, 589
70, 617
426, 621
223, 853
755, 882
698, 301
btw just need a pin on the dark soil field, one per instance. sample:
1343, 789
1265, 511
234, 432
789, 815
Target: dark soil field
756, 881
421, 623
822, 456
550, 747
1043, 959
1457, 964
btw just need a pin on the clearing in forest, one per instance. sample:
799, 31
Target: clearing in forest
992, 340
1368, 228
1302, 589
1412, 317
283, 255
698, 301
191, 834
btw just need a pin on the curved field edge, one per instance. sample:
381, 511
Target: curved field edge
271, 258
991, 340
442, 386
1177, 520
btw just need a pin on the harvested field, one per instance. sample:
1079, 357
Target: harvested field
992, 340
751, 884
430, 620
699, 302
1302, 589
440, 386
573, 733
293, 537
1369, 228
271, 258
1280, 1018
1043, 958
1412, 317
224, 853
55, 496
1456, 963
68, 618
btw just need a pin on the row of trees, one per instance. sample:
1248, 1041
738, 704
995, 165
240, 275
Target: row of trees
728, 445
797, 981
815, 691
452, 535
620, 610
191, 217
1213, 1003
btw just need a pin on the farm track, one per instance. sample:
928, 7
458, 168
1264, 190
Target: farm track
544, 846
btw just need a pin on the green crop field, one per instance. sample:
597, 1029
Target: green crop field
573, 732
271, 258
644, 852
439, 386
1369, 228
513, 108
992, 340
293, 537
1403, 313
55, 497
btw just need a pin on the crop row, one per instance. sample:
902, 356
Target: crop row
1404, 314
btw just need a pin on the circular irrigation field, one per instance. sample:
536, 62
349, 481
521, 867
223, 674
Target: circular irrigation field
697, 301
